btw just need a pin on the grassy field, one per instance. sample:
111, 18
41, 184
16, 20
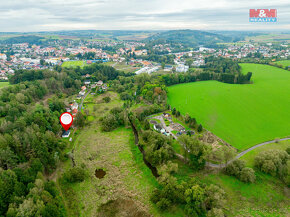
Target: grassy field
122, 66
265, 197
269, 38
3, 84
250, 156
128, 183
242, 115
284, 62
73, 64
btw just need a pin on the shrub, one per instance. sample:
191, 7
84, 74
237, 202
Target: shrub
107, 99
274, 162
75, 174
237, 168
199, 129
247, 175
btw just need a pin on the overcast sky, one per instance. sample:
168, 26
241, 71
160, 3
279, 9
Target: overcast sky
48, 15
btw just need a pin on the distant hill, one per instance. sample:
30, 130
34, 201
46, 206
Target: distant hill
191, 38
32, 39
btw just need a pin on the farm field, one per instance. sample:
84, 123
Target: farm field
269, 38
242, 115
73, 64
284, 62
3, 84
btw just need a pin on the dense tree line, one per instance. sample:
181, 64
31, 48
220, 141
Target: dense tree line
221, 65
43, 198
205, 75
198, 199
158, 149
97, 72
30, 143
155, 56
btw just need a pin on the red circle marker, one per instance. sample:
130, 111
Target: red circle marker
66, 120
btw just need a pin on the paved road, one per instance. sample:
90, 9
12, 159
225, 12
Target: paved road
245, 152
81, 104
218, 165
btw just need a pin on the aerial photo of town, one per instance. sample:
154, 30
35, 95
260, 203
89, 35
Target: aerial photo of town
139, 109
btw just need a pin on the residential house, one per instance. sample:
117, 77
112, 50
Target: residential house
82, 92
74, 106
87, 82
104, 87
157, 127
66, 134
99, 83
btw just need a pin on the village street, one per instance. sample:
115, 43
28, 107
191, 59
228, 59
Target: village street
83, 98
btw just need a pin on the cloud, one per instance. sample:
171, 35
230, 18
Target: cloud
42, 15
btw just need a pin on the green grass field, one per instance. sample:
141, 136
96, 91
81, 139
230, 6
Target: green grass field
284, 62
242, 115
3, 84
73, 64
269, 38
265, 197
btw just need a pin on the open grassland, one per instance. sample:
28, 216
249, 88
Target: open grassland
122, 66
250, 156
73, 64
4, 84
128, 183
242, 115
284, 62
266, 197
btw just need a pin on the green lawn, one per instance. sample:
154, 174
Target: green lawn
284, 62
242, 115
3, 84
73, 64
250, 156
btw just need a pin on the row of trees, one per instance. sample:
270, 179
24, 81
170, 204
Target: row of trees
197, 75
